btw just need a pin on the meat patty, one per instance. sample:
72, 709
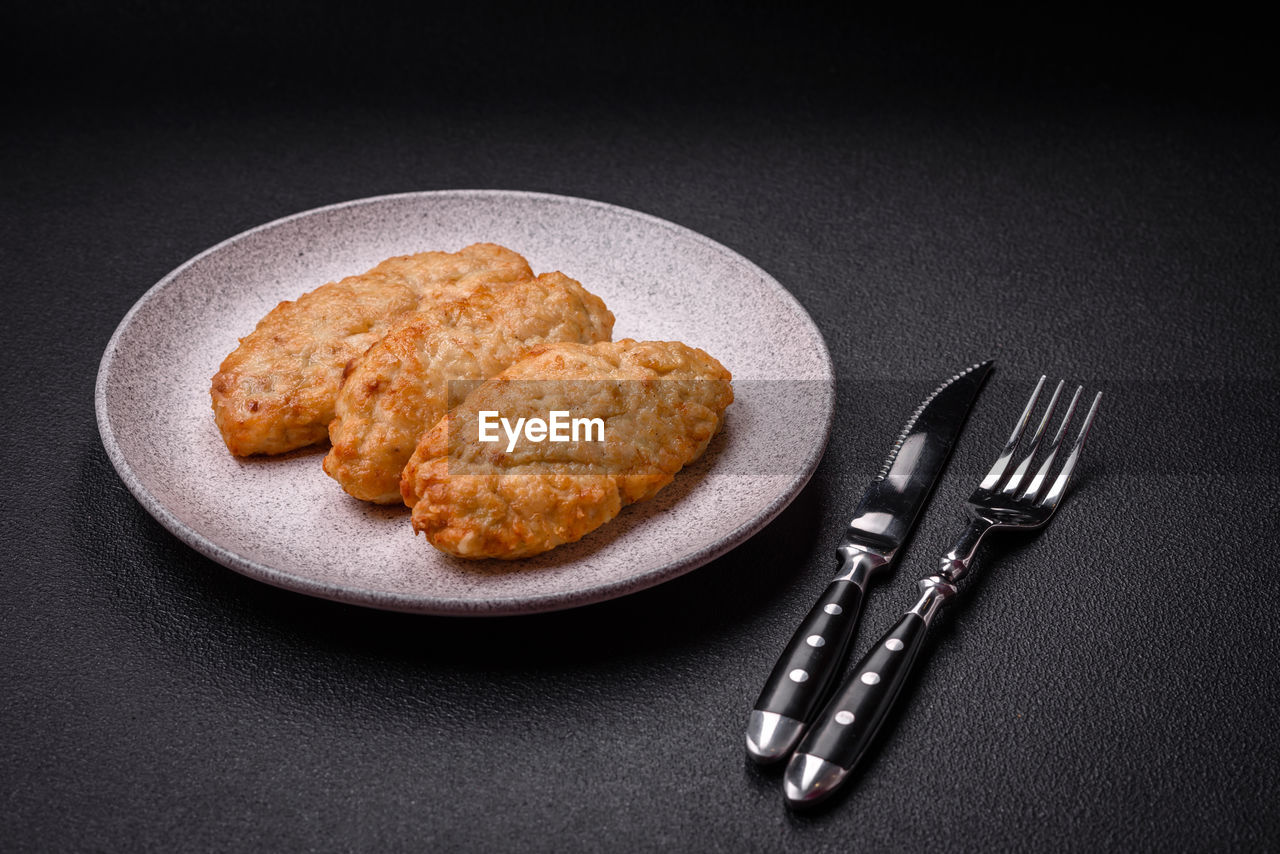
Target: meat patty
407, 381
276, 391
659, 402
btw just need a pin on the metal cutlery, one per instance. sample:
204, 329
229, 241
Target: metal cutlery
1008, 498
889, 506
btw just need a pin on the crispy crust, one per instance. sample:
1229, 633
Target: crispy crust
661, 403
401, 386
276, 391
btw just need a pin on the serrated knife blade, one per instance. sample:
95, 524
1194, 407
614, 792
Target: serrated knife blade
884, 517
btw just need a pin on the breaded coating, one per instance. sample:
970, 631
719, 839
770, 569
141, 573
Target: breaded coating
660, 403
401, 387
276, 391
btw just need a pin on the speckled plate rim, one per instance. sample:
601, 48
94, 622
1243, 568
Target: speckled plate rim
446, 606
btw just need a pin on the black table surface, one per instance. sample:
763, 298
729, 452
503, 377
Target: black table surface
1069, 207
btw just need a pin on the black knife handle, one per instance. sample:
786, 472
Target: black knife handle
808, 666
844, 730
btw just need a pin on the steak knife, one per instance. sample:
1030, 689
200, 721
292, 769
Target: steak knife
800, 680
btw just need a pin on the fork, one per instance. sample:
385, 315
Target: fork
1006, 499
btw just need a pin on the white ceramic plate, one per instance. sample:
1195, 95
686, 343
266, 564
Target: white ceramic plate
283, 521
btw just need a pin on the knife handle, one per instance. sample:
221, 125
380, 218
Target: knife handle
809, 664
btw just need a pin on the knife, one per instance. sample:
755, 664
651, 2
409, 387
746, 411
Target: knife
808, 666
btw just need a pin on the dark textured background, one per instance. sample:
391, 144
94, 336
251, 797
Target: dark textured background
1093, 199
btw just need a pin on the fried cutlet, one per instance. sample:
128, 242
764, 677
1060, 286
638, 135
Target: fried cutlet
407, 381
276, 390
659, 403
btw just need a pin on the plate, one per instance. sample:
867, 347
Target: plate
283, 521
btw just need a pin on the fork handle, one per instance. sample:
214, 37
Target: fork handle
840, 736
849, 721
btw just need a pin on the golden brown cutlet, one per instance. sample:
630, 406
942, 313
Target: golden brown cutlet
660, 403
275, 392
402, 386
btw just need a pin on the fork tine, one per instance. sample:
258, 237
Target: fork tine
1060, 482
993, 478
1012, 486
1037, 482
